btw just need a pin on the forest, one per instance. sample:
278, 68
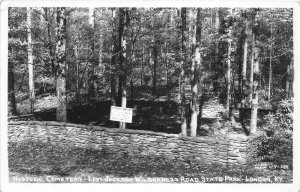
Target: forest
167, 64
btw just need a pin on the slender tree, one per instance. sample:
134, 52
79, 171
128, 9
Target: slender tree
11, 85
142, 64
91, 71
195, 69
113, 59
76, 50
154, 54
270, 65
121, 23
61, 111
252, 58
229, 67
256, 75
244, 65
30, 61
50, 45
182, 75
217, 58
289, 79
168, 71
101, 45
124, 20
155, 63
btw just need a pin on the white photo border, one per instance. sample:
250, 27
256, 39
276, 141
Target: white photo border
6, 186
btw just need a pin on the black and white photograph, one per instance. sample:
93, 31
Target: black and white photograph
201, 95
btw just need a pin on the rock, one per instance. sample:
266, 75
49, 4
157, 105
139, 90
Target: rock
222, 149
241, 160
233, 154
151, 139
171, 145
243, 149
124, 140
134, 138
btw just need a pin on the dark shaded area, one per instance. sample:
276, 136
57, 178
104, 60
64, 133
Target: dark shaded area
147, 115
158, 116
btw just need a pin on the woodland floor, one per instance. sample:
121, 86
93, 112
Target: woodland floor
32, 159
152, 115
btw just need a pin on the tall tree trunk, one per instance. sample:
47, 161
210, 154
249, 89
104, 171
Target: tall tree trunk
123, 25
167, 75
289, 80
113, 59
155, 61
195, 69
30, 61
228, 76
12, 109
121, 22
131, 91
291, 90
182, 77
217, 61
77, 72
252, 65
67, 72
119, 49
256, 74
229, 68
91, 70
190, 28
61, 111
151, 61
177, 25
243, 87
101, 65
142, 65
287, 83
112, 77
50, 47
99, 76
244, 67
270, 68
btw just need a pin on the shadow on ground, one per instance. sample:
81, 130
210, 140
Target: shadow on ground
147, 115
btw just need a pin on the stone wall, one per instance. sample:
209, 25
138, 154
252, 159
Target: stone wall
236, 150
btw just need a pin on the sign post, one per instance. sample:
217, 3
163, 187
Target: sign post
121, 114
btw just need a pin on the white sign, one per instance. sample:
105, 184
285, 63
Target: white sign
121, 114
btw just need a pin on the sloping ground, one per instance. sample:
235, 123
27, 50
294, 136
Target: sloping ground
154, 115
41, 104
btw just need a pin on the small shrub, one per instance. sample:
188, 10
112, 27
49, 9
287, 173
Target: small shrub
278, 146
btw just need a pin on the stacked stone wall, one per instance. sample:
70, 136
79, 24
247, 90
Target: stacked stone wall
236, 150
